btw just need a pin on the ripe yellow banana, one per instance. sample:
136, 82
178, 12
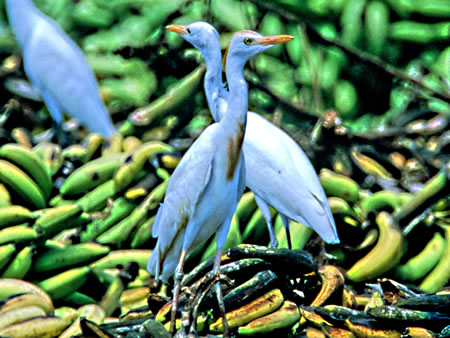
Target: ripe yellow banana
92, 312
14, 214
68, 255
42, 327
136, 160
363, 328
10, 287
16, 315
384, 255
21, 183
20, 265
261, 306
92, 174
65, 283
27, 299
284, 317
332, 284
31, 163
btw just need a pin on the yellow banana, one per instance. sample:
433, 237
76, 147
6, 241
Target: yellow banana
51, 155
91, 143
440, 275
17, 233
56, 219
42, 327
75, 153
16, 315
111, 299
69, 255
363, 328
31, 163
418, 332
92, 312
20, 265
332, 331
332, 283
339, 185
136, 160
27, 299
369, 165
261, 306
14, 214
308, 314
131, 143
10, 287
5, 197
421, 264
284, 317
384, 255
69, 314
65, 283
112, 145
6, 251
170, 161
123, 257
21, 183
91, 174
340, 206
133, 295
22, 137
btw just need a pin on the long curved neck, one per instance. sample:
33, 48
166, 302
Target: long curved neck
238, 97
23, 16
213, 77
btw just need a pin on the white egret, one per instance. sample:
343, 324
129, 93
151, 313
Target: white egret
278, 171
57, 68
209, 180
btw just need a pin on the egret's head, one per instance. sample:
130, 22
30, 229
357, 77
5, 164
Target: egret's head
245, 44
200, 34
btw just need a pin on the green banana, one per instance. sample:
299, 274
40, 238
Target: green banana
340, 206
91, 174
246, 206
75, 153
70, 255
51, 155
339, 185
111, 299
261, 306
63, 284
14, 214
22, 184
384, 255
143, 233
418, 266
97, 197
27, 299
284, 317
136, 160
43, 327
369, 166
6, 251
300, 234
26, 159
78, 298
56, 219
382, 199
5, 197
120, 209
123, 257
20, 265
256, 228
17, 233
440, 275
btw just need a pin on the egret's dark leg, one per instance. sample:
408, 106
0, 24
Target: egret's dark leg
264, 207
226, 330
286, 226
176, 292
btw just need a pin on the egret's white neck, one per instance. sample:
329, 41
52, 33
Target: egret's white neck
22, 16
213, 76
238, 97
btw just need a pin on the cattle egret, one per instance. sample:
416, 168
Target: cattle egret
57, 68
209, 180
278, 171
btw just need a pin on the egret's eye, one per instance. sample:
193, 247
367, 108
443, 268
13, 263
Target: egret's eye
248, 41
188, 30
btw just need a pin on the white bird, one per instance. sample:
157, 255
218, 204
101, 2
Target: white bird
277, 170
209, 180
57, 68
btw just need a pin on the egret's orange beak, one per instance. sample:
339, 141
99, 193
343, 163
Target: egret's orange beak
176, 28
274, 40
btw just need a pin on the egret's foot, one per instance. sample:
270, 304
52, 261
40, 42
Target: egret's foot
273, 243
